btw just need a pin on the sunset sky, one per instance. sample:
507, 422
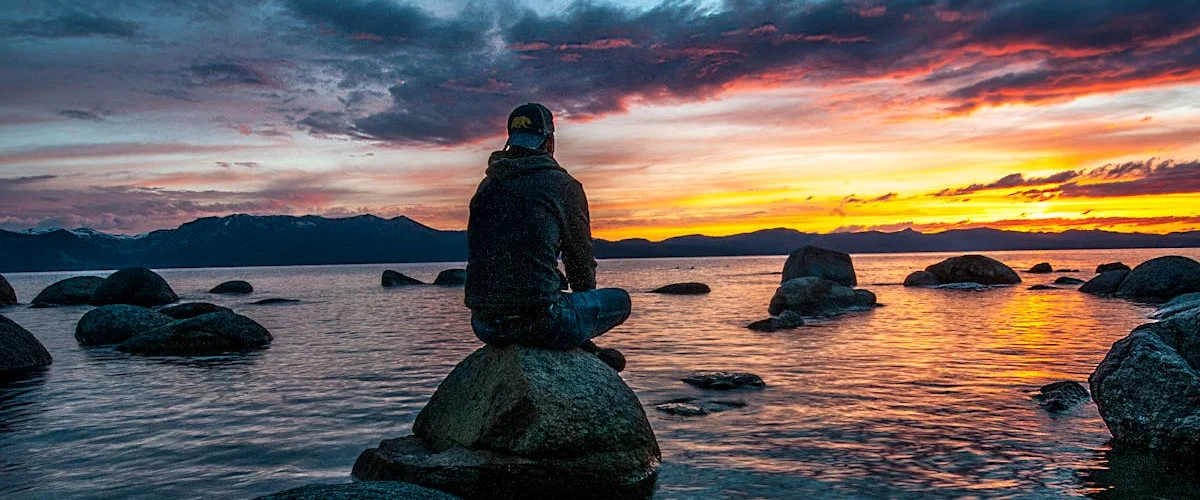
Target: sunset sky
679, 118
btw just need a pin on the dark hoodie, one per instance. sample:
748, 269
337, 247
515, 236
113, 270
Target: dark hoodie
525, 213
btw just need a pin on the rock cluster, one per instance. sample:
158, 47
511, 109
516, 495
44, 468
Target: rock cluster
1155, 280
1042, 268
520, 422
69, 292
139, 330
20, 351
816, 282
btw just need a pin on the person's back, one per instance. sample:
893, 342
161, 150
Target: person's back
525, 214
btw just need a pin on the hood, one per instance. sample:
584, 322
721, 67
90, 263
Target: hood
514, 163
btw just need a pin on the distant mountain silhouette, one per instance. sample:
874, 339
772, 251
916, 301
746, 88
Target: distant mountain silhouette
276, 240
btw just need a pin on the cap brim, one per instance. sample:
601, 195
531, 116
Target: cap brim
527, 141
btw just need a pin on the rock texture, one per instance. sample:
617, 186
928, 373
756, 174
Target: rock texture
212, 333
236, 287
921, 278
786, 320
1042, 268
722, 380
1105, 283
816, 261
451, 277
519, 422
134, 286
683, 289
812, 296
20, 351
8, 296
116, 323
392, 278
192, 309
1112, 266
370, 490
1061, 396
1161, 278
974, 269
1067, 280
1182, 303
68, 292
1148, 387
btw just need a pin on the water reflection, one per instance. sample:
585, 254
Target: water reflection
1121, 474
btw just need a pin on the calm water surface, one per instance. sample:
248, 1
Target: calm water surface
926, 397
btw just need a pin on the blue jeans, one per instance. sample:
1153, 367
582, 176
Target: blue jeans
573, 320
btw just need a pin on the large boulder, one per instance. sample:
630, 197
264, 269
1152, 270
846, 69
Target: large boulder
1105, 283
212, 333
921, 278
393, 278
8, 296
1041, 268
192, 309
235, 287
116, 323
1161, 278
20, 351
370, 490
451, 277
69, 292
1181, 303
683, 289
1148, 387
520, 422
135, 286
974, 269
812, 296
816, 261
1112, 266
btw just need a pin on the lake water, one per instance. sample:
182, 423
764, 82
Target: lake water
928, 396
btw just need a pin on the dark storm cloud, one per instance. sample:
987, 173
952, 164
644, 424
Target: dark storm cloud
71, 24
1010, 181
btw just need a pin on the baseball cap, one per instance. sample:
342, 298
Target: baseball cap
529, 125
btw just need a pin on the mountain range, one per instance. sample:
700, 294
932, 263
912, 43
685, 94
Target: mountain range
277, 240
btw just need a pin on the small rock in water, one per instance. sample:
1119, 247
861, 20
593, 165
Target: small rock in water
963, 286
236, 287
683, 289
691, 407
392, 278
365, 490
722, 380
192, 309
786, 320
921, 278
1105, 283
1041, 268
116, 323
451, 277
68, 292
267, 302
1066, 280
682, 409
7, 295
1044, 287
1066, 271
1061, 396
974, 269
1112, 266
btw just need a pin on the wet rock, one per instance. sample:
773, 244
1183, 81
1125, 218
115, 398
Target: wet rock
1105, 283
116, 323
691, 407
1112, 266
821, 263
451, 277
722, 380
192, 309
68, 292
8, 296
20, 351
273, 301
1066, 280
1182, 303
921, 278
1066, 270
1044, 287
520, 422
784, 321
682, 409
392, 278
1147, 388
136, 286
1161, 278
683, 289
1041, 268
811, 296
1061, 396
212, 333
974, 269
370, 490
236, 287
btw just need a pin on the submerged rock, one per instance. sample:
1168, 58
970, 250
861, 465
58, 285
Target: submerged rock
116, 323
272, 301
192, 309
1147, 388
682, 409
691, 407
811, 296
1061, 396
451, 277
134, 286
1105, 283
392, 278
974, 269
784, 321
722, 380
212, 333
683, 289
8, 296
1066, 280
520, 422
69, 292
369, 490
1112, 266
1044, 287
821, 263
236, 287
1041, 268
921, 278
968, 286
1161, 278
1181, 303
20, 351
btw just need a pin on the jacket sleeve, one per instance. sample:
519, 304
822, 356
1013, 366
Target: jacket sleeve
578, 257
